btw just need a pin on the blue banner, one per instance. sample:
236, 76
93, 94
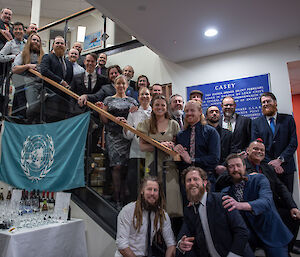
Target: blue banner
245, 91
47, 157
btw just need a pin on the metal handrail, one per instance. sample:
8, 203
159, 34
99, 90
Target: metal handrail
66, 18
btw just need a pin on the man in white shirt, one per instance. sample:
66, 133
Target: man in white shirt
73, 57
134, 232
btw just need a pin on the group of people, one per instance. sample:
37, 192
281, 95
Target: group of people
250, 161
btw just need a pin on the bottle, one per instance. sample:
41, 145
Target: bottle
45, 206
51, 202
42, 200
1, 194
8, 197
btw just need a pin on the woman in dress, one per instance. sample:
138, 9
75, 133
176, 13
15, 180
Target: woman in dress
117, 146
136, 157
164, 130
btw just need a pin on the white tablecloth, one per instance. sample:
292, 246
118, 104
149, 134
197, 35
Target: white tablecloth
54, 240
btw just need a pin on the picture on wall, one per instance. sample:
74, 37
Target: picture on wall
92, 41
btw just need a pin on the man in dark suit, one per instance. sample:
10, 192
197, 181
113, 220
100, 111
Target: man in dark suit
208, 228
128, 71
88, 82
176, 109
278, 132
54, 66
252, 196
101, 69
6, 35
239, 125
283, 199
213, 117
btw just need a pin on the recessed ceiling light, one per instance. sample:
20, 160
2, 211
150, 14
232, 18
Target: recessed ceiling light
210, 32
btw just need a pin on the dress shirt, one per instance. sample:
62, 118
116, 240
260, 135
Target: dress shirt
94, 79
77, 69
128, 236
225, 124
204, 221
11, 49
133, 119
269, 117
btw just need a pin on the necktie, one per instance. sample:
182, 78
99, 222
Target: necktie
272, 125
229, 126
90, 83
63, 66
149, 249
239, 191
180, 123
257, 169
192, 143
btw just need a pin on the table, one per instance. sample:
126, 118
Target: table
53, 240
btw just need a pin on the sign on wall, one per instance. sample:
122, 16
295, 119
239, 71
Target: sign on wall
245, 91
92, 41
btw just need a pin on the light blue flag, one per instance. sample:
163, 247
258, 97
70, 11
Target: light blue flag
47, 157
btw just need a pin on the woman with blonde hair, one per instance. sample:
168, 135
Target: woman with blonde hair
117, 146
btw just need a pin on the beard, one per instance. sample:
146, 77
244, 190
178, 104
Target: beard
148, 206
213, 121
177, 113
195, 198
59, 52
228, 114
270, 110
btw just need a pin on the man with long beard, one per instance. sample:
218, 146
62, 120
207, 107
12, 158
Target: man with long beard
56, 67
278, 132
208, 228
140, 221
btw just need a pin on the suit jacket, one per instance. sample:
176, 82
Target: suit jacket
284, 143
78, 86
241, 135
228, 230
103, 71
107, 90
207, 146
2, 39
226, 143
264, 218
3, 66
51, 68
281, 195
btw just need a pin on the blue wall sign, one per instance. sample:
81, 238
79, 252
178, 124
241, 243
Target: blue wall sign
245, 91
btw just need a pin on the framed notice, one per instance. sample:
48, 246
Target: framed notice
245, 91
92, 41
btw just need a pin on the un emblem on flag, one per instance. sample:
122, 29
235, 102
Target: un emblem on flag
37, 156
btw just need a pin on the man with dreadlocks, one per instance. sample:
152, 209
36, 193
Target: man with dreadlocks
134, 232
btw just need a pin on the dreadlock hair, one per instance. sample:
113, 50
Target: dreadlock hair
138, 211
26, 50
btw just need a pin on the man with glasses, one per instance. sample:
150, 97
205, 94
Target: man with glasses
239, 125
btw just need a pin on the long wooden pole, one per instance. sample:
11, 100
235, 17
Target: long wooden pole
111, 117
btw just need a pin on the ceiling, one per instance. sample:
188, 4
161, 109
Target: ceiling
174, 29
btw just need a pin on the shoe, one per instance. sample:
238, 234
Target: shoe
295, 249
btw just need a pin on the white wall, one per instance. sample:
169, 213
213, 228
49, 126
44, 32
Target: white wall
268, 58
99, 243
